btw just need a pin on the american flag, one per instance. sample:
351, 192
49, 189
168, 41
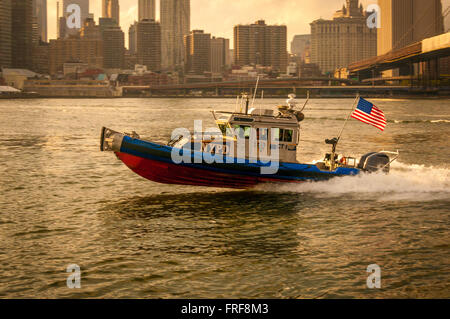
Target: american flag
368, 113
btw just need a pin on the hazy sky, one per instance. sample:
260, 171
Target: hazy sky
218, 17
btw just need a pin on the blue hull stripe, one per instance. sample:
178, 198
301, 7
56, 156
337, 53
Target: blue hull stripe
287, 171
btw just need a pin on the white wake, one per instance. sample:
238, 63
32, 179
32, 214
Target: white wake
404, 182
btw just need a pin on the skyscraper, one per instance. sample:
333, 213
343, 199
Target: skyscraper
90, 30
22, 34
197, 52
261, 44
406, 21
75, 49
147, 9
35, 30
84, 7
5, 33
345, 39
111, 9
40, 12
86, 48
132, 38
113, 44
299, 44
175, 24
148, 44
220, 48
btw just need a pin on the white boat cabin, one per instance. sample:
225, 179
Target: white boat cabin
284, 123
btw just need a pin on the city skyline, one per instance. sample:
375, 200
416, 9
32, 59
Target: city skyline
204, 14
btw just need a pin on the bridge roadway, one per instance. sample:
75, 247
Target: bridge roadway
271, 83
427, 50
300, 91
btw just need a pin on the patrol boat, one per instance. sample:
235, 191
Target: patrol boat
230, 161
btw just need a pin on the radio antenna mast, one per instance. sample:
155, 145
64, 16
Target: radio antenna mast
256, 90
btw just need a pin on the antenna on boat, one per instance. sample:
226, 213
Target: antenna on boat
241, 99
306, 102
237, 103
256, 90
247, 101
260, 104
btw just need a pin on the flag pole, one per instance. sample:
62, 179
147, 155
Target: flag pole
348, 117
335, 142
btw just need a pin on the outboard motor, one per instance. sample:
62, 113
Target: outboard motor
373, 162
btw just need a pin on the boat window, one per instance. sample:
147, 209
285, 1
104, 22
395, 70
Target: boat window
276, 134
283, 135
245, 131
288, 134
262, 134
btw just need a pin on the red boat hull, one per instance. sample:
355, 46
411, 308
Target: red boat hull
168, 173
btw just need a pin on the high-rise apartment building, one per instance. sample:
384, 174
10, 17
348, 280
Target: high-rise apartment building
22, 34
84, 13
148, 44
197, 52
41, 58
111, 9
5, 33
60, 21
175, 24
62, 27
345, 39
35, 30
113, 44
132, 38
147, 9
407, 21
220, 48
75, 49
40, 12
90, 30
261, 44
299, 44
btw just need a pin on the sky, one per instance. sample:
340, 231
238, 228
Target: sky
218, 17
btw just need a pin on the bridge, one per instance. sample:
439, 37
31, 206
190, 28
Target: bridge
428, 51
232, 88
268, 84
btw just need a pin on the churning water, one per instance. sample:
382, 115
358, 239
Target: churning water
404, 182
63, 202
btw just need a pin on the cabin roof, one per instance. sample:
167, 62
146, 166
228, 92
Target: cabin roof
252, 119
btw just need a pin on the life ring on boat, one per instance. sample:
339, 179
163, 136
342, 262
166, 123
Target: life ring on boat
343, 161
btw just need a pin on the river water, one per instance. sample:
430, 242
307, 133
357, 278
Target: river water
64, 202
